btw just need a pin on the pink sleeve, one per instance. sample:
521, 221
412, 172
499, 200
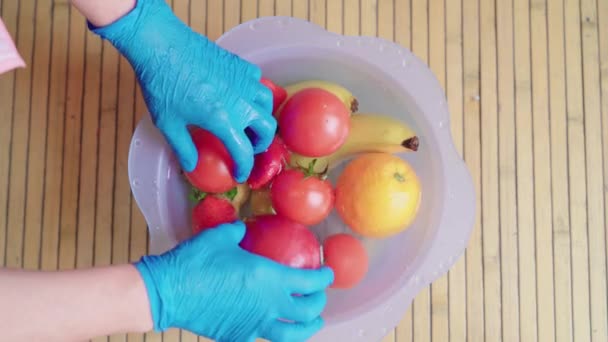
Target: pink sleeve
9, 56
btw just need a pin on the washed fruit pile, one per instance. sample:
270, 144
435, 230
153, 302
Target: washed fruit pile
377, 194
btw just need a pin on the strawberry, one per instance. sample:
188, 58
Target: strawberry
212, 211
268, 164
278, 93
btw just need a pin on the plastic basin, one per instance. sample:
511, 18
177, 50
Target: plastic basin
386, 78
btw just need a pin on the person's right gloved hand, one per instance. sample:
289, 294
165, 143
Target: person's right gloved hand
187, 79
212, 287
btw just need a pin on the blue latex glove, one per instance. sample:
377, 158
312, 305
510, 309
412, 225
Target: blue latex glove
210, 286
186, 79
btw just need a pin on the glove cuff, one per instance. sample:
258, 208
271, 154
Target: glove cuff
156, 304
139, 30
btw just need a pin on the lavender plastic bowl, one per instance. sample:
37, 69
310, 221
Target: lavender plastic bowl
386, 78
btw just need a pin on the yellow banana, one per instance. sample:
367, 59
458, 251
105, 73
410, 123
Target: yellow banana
341, 92
368, 133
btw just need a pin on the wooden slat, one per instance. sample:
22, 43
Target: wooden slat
231, 14
54, 136
559, 177
283, 8
318, 12
542, 171
7, 88
19, 138
249, 10
352, 18
489, 172
335, 19
577, 173
80, 184
266, 8
525, 182
603, 57
595, 183
472, 149
37, 137
454, 91
215, 19
198, 16
507, 172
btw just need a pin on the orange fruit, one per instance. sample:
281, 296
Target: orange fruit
378, 195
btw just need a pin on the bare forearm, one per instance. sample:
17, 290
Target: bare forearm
72, 305
103, 12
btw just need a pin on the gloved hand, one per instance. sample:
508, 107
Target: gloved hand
210, 286
186, 79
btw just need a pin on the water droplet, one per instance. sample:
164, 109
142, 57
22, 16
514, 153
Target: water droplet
441, 124
400, 52
136, 182
168, 173
340, 42
416, 280
441, 265
450, 259
359, 41
384, 331
381, 48
283, 22
156, 227
362, 333
451, 195
253, 26
435, 274
404, 63
137, 142
155, 182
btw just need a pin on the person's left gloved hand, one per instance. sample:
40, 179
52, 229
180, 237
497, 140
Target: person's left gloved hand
211, 286
186, 79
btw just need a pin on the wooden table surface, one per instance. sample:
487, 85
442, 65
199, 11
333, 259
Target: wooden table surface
527, 85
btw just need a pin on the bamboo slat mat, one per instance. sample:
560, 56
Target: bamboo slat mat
527, 85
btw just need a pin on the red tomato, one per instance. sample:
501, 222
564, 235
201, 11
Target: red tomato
282, 240
314, 122
213, 171
347, 257
304, 199
278, 93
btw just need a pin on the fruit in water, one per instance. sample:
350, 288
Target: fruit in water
369, 132
346, 96
279, 94
302, 197
282, 240
213, 171
378, 195
212, 211
314, 122
260, 202
268, 164
347, 257
241, 195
